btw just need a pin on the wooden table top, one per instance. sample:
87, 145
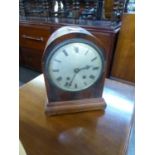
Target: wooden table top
87, 133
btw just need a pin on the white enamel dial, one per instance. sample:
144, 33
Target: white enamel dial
75, 66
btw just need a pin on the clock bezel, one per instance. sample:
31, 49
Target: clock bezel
66, 42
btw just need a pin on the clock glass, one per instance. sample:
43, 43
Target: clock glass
75, 65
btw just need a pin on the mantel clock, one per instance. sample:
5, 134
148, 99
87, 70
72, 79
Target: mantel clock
74, 66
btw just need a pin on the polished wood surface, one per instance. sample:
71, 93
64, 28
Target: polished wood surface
74, 106
31, 58
108, 43
34, 37
85, 133
32, 41
123, 66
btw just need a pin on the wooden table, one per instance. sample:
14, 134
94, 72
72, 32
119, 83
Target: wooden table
89, 133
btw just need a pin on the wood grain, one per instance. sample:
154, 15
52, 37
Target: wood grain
123, 66
32, 36
74, 106
87, 133
31, 58
32, 41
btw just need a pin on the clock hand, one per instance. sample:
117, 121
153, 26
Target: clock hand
77, 70
72, 79
83, 68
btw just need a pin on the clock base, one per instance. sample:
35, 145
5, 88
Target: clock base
64, 107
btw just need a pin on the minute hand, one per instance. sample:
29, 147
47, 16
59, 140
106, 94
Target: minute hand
86, 67
72, 79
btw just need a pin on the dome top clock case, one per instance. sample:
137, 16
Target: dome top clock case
74, 66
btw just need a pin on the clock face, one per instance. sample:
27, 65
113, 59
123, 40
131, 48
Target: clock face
75, 66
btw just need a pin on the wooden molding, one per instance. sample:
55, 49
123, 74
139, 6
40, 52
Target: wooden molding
62, 107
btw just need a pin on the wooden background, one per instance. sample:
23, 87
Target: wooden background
123, 66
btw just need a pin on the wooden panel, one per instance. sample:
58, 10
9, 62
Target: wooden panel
108, 43
124, 60
33, 37
31, 58
32, 41
88, 133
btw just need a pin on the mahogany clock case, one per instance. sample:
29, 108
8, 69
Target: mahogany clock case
55, 94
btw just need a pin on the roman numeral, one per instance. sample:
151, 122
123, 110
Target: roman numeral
86, 52
67, 84
94, 59
55, 70
57, 60
75, 85
85, 83
92, 77
68, 78
76, 49
59, 78
65, 52
84, 77
95, 68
